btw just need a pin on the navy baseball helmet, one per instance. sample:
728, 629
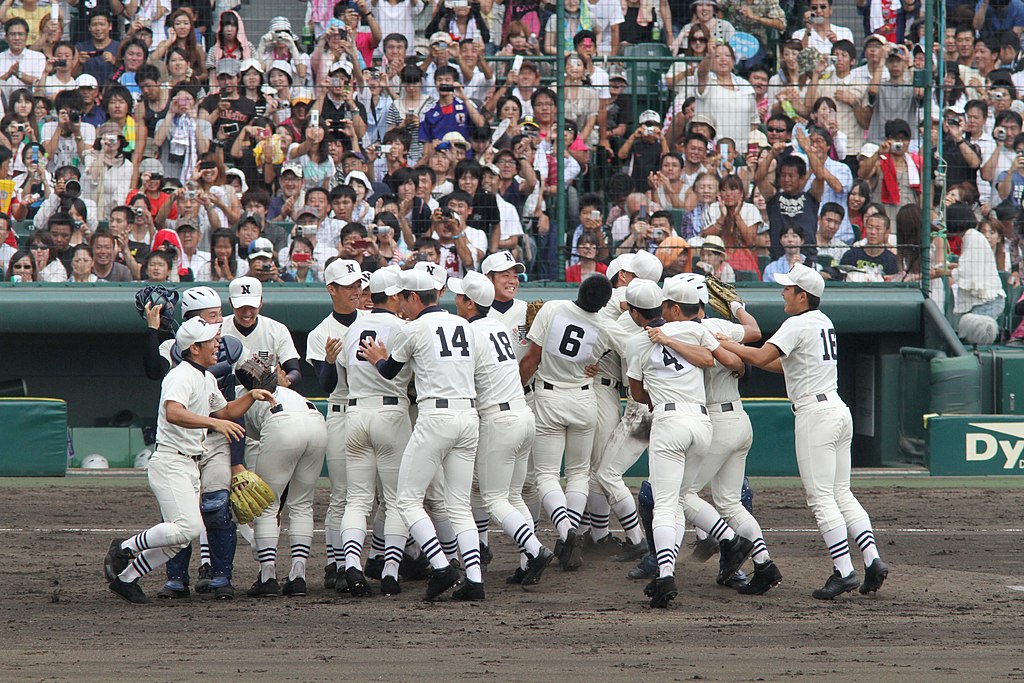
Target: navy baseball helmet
158, 295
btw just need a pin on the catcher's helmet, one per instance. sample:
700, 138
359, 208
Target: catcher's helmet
198, 298
699, 283
258, 372
158, 295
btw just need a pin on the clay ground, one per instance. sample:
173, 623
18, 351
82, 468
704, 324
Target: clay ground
947, 612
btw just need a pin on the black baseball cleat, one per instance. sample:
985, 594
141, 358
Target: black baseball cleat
704, 549
330, 576
389, 585
171, 593
535, 566
375, 567
766, 576
117, 559
836, 585
264, 589
441, 580
608, 542
651, 588
357, 586
469, 591
130, 591
205, 577
735, 552
485, 554
665, 592
646, 568
571, 555
225, 592
414, 568
517, 576
629, 552
294, 588
874, 576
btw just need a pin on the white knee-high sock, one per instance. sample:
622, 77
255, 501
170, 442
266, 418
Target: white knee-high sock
446, 535
147, 561
469, 546
393, 545
266, 555
158, 536
664, 542
412, 548
599, 511
707, 518
483, 523
575, 504
865, 539
625, 510
424, 533
554, 503
300, 547
333, 537
521, 532
249, 536
752, 530
352, 543
839, 549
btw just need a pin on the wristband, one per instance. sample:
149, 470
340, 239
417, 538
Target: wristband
735, 306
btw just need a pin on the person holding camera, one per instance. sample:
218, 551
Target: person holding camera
279, 44
643, 149
897, 98
894, 172
962, 156
336, 109
456, 254
108, 173
1007, 128
182, 136
67, 139
58, 74
819, 32
67, 187
452, 112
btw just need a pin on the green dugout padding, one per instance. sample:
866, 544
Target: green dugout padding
33, 437
975, 445
118, 445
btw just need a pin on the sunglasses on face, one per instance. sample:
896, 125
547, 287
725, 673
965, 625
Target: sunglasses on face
699, 40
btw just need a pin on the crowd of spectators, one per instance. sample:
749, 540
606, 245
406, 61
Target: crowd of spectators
168, 140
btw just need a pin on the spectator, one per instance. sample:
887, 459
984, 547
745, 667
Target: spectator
736, 223
591, 221
714, 261
791, 201
182, 136
48, 267
127, 251
425, 249
995, 232
829, 222
181, 35
108, 172
20, 67
979, 290
995, 16
159, 267
585, 258
898, 99
510, 225
58, 74
278, 44
483, 213
791, 239
452, 113
668, 183
411, 102
230, 42
227, 112
225, 265
644, 149
477, 75
67, 138
381, 113
301, 265
874, 257
856, 201
893, 170
23, 267
6, 250
718, 31
1007, 128
838, 180
454, 250
725, 96
462, 22
699, 200
103, 248
151, 186
81, 265
641, 19
263, 262
211, 177
819, 32
98, 53
358, 245
340, 114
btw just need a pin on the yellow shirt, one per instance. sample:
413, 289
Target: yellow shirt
33, 17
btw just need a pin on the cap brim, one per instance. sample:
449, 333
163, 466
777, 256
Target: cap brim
240, 301
347, 279
518, 267
785, 280
455, 286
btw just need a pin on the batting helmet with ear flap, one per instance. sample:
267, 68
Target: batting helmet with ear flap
258, 372
595, 291
158, 295
199, 298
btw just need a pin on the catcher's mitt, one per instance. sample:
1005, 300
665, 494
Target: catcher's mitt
158, 295
720, 295
258, 372
532, 309
250, 496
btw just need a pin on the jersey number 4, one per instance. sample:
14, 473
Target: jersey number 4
829, 347
458, 340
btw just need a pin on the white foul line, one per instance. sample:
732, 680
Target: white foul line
99, 530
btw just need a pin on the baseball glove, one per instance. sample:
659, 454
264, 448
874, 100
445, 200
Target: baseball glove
250, 496
720, 295
258, 372
532, 309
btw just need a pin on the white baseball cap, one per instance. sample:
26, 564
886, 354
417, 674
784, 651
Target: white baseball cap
499, 262
86, 81
245, 291
477, 287
650, 116
681, 291
645, 266
803, 277
343, 272
261, 247
199, 298
386, 281
695, 279
617, 264
436, 272
417, 280
196, 330
644, 294
364, 277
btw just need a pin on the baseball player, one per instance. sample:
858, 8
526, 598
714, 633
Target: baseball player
723, 463
440, 348
566, 339
290, 438
506, 424
804, 349
190, 404
323, 346
220, 460
670, 382
258, 332
378, 432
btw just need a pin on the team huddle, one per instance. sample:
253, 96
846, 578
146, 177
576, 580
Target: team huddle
439, 424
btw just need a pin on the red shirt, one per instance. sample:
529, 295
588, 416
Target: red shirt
574, 273
155, 204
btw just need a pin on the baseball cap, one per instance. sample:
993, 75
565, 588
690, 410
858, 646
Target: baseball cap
292, 168
645, 266
437, 273
194, 331
477, 287
250, 217
697, 280
386, 281
680, 291
307, 211
341, 65
185, 225
302, 97
229, 66
86, 81
617, 264
440, 37
151, 166
501, 261
342, 272
261, 247
250, 64
358, 176
713, 243
650, 116
491, 168
455, 138
876, 37
644, 294
529, 122
758, 138
364, 278
616, 72
417, 280
245, 291
803, 277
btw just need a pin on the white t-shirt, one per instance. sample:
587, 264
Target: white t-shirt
6, 252
604, 15
363, 379
508, 219
571, 339
196, 389
440, 348
29, 62
266, 335
316, 350
809, 354
53, 85
200, 265
67, 148
667, 376
824, 45
497, 369
720, 384
748, 212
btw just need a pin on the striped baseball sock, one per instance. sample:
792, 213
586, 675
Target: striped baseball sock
446, 535
483, 523
204, 548
865, 538
425, 534
301, 546
147, 561
158, 536
680, 532
575, 504
599, 511
469, 546
625, 510
554, 503
839, 549
377, 543
707, 518
749, 528
266, 554
412, 548
333, 538
352, 545
521, 532
393, 545
664, 542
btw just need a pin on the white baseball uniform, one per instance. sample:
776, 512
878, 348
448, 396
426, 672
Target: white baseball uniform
378, 432
565, 407
266, 334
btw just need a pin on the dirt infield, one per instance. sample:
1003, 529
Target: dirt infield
947, 612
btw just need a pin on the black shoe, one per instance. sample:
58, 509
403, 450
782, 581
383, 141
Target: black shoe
264, 589
608, 542
874, 576
665, 592
414, 568
441, 580
131, 592
357, 586
341, 585
646, 568
374, 568
836, 585
330, 576
169, 593
485, 554
571, 557
630, 552
389, 586
469, 591
205, 577
704, 549
225, 592
766, 576
517, 577
535, 566
651, 588
734, 552
295, 588
117, 559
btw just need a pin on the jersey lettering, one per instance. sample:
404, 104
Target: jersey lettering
570, 344
665, 363
503, 351
452, 343
829, 346
365, 335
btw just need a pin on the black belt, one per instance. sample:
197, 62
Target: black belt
672, 406
279, 408
385, 400
608, 382
820, 398
549, 386
193, 458
336, 408
727, 407
443, 402
528, 389
503, 407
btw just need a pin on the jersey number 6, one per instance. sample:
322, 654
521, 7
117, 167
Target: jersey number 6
570, 344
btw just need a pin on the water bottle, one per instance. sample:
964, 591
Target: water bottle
656, 31
307, 39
